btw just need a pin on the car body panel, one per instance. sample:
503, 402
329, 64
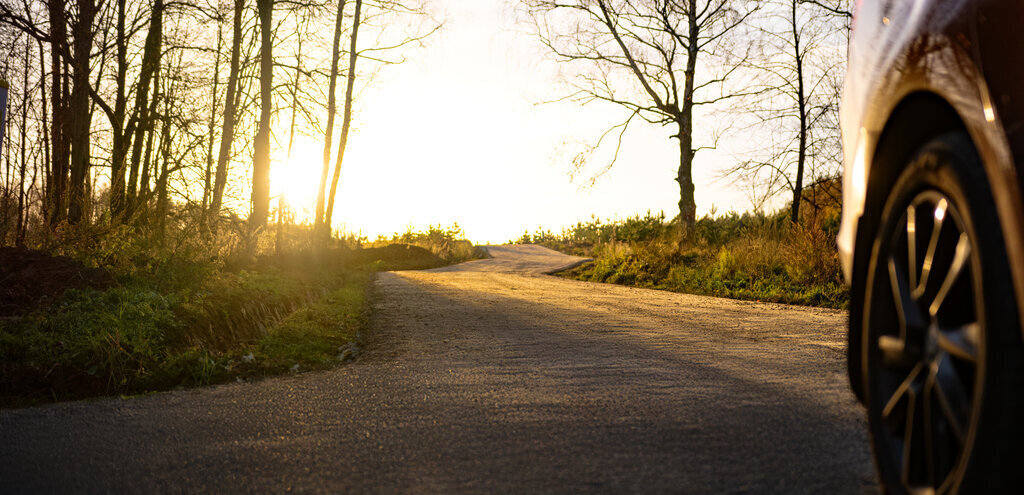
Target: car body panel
998, 34
873, 34
902, 48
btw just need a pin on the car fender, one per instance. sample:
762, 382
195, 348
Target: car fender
943, 63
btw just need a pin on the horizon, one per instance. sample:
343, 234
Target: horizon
483, 65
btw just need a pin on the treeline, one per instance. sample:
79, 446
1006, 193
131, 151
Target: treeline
133, 112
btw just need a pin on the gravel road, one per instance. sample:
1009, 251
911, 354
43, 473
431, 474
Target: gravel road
492, 377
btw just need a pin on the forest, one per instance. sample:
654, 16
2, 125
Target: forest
160, 114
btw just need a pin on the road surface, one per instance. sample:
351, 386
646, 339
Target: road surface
490, 377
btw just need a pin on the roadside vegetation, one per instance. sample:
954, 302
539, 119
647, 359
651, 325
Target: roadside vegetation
135, 136
127, 311
447, 245
753, 255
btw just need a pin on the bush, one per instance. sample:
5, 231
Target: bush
447, 243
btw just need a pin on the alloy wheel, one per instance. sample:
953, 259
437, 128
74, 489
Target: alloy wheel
926, 343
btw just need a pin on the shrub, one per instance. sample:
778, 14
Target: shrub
447, 243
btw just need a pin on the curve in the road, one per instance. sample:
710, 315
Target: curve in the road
492, 378
517, 258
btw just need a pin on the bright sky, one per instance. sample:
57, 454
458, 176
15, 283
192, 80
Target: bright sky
455, 135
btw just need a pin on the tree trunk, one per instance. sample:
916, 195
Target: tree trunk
60, 156
687, 205
162, 199
47, 164
79, 110
318, 221
7, 186
19, 231
142, 115
227, 134
261, 146
147, 160
163, 178
684, 177
347, 117
120, 148
208, 176
802, 110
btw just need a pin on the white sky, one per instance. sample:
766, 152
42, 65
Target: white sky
455, 135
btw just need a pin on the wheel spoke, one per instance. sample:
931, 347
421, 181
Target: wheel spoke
912, 244
951, 402
928, 428
933, 243
961, 342
963, 252
902, 298
905, 388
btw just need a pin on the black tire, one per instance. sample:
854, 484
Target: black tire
941, 339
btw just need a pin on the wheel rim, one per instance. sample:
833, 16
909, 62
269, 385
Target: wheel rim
927, 336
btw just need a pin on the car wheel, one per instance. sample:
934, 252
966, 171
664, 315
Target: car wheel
941, 340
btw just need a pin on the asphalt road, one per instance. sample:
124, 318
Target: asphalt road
489, 377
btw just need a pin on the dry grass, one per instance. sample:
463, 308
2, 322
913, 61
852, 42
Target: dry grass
751, 256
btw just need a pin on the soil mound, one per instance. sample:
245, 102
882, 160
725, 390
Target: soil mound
389, 257
29, 278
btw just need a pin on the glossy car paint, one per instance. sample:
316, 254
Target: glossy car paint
964, 53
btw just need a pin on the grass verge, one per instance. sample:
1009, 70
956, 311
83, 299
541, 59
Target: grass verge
132, 339
180, 308
750, 256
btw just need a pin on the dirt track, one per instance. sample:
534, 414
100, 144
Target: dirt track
490, 377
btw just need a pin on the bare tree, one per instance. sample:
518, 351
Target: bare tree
155, 69
839, 8
386, 50
646, 56
800, 66
261, 146
53, 32
61, 155
19, 233
347, 115
78, 106
143, 112
208, 176
329, 130
228, 126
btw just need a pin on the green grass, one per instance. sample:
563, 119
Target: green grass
751, 256
131, 339
316, 336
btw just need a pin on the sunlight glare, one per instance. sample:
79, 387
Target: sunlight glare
298, 178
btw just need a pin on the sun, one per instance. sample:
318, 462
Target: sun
297, 179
